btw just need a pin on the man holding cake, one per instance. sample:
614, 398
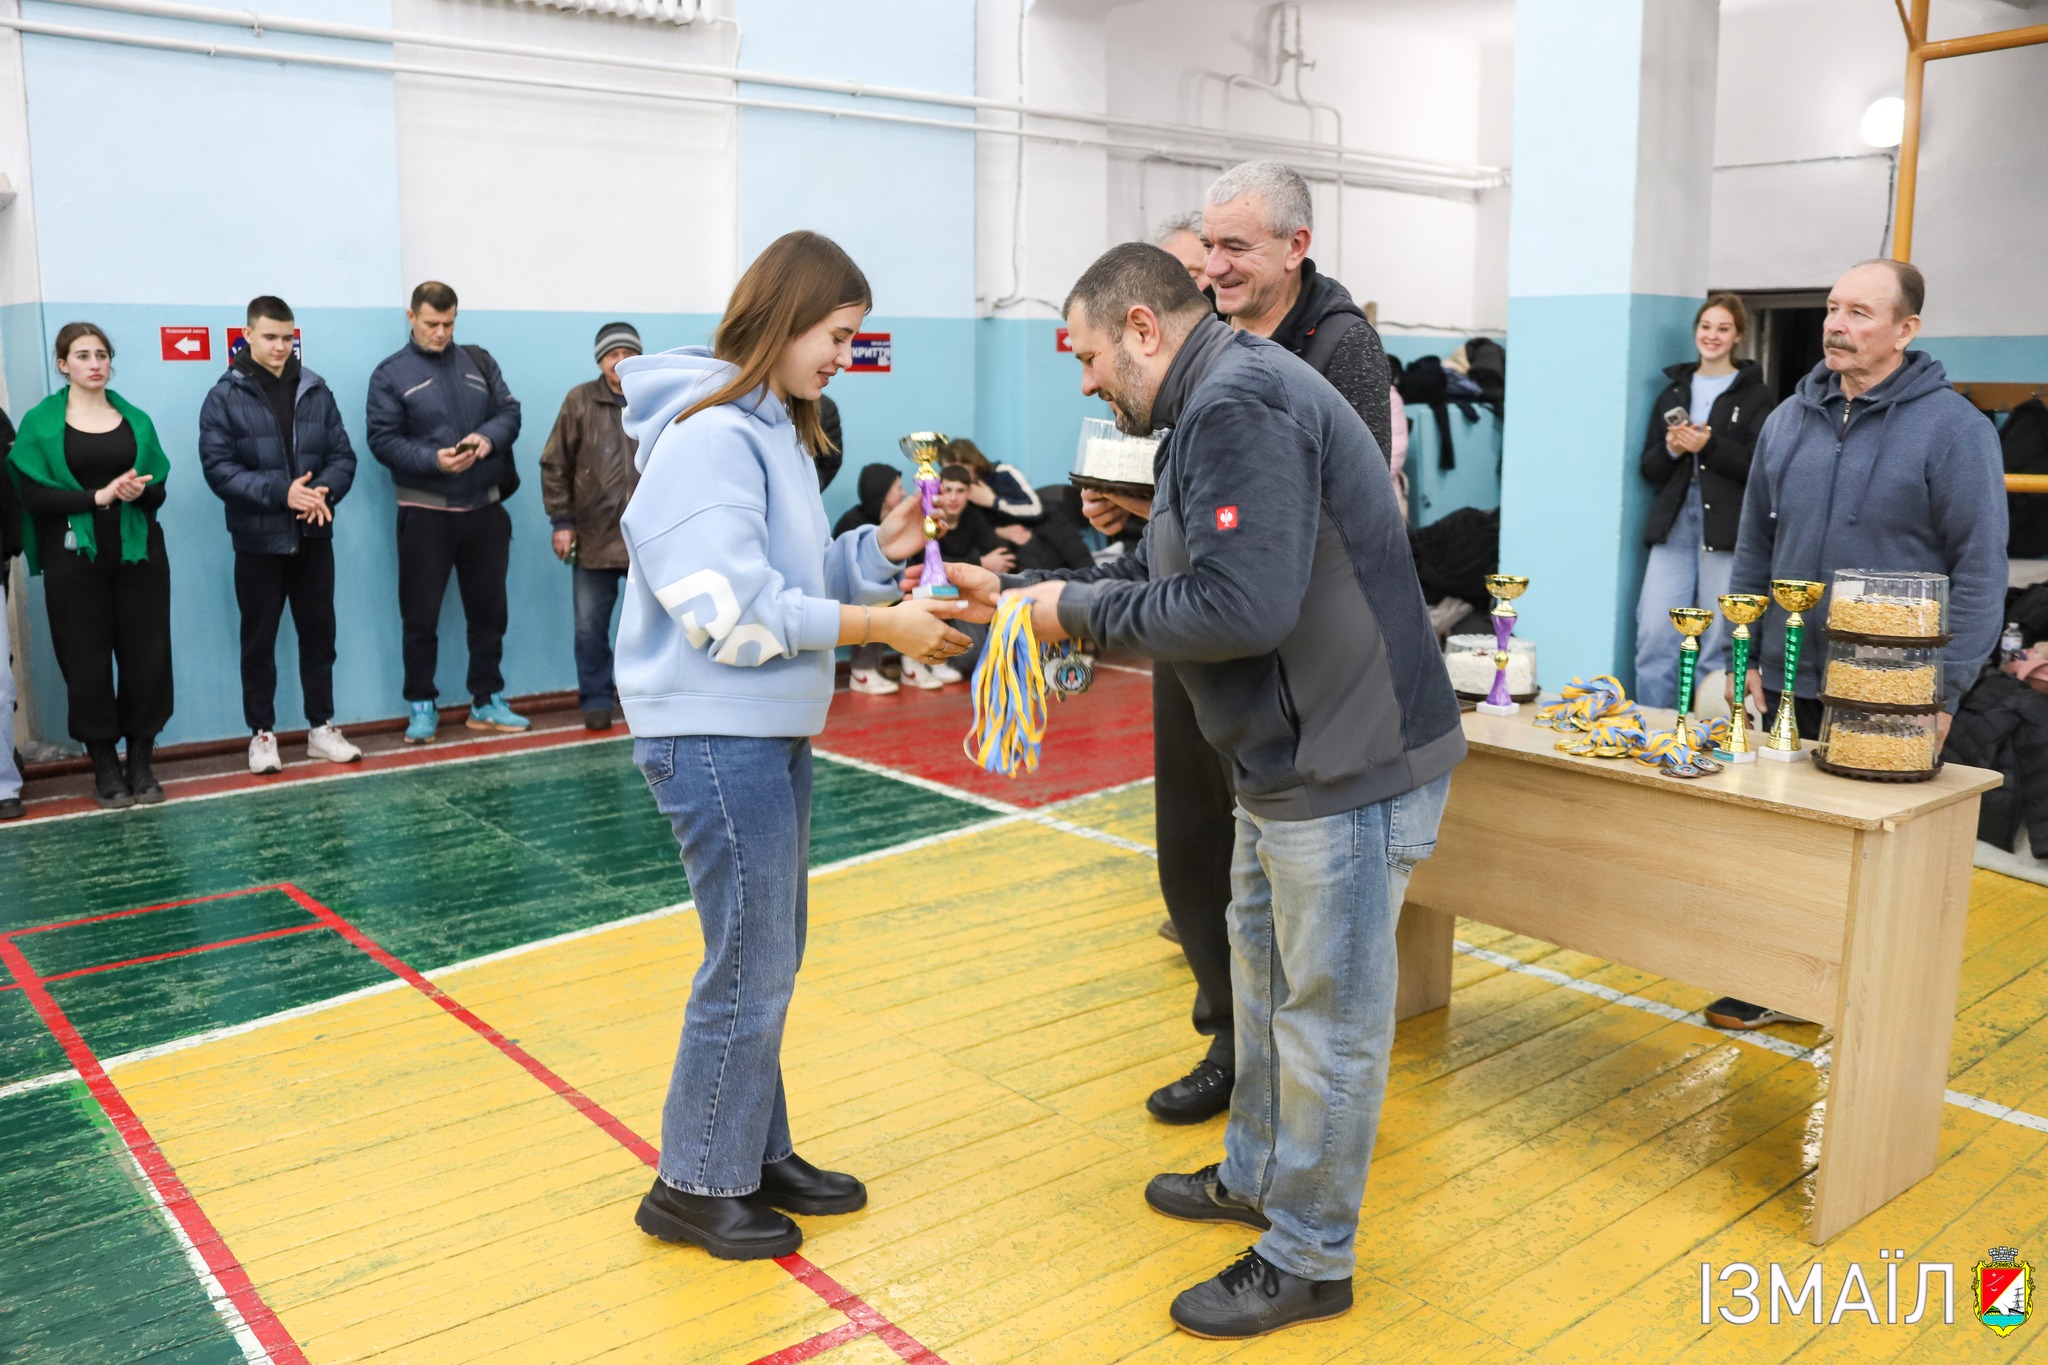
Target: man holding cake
1275, 576
1874, 463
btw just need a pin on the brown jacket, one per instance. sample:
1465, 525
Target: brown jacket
587, 474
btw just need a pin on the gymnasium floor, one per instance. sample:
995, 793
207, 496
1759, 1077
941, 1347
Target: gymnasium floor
367, 1068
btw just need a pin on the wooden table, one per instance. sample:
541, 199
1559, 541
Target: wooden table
1833, 900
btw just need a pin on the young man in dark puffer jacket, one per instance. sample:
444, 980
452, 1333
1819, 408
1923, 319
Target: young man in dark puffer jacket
273, 448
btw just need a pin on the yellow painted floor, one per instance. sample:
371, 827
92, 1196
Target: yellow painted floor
975, 1031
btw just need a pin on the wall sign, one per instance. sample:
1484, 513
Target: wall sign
872, 353
187, 343
236, 345
1063, 342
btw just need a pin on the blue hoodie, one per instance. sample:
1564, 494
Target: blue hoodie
1908, 479
733, 594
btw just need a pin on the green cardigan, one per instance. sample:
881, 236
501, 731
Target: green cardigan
39, 454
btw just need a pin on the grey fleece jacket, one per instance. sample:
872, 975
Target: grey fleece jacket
1906, 477
1275, 575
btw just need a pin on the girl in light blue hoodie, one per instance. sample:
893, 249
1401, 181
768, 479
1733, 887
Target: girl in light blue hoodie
736, 598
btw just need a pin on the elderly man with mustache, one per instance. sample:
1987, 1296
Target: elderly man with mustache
1874, 463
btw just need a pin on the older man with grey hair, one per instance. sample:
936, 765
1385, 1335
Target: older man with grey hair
1181, 238
1256, 228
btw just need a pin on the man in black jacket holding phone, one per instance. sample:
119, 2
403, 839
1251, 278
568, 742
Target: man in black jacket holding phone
443, 421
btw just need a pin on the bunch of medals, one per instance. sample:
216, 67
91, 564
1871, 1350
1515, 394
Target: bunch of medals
1599, 721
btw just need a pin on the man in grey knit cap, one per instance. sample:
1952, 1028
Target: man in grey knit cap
586, 478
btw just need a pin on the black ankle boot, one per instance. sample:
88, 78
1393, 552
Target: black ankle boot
796, 1185
109, 784
735, 1229
141, 781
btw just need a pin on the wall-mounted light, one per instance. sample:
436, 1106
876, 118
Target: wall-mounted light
1884, 122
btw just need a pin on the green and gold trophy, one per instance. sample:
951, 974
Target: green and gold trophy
1794, 595
1692, 622
1741, 608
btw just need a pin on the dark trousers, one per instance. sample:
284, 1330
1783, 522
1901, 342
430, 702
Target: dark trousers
1196, 829
264, 585
596, 592
106, 615
477, 546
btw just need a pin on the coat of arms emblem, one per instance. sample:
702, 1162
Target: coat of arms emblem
2005, 1289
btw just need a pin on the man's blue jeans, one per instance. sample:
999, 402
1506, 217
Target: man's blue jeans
741, 810
1313, 908
596, 593
1681, 572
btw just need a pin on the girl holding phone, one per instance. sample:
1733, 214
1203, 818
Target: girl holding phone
1702, 434
737, 597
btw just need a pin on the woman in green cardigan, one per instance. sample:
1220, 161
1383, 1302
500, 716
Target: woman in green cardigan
91, 473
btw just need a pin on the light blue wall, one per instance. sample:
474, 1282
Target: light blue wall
1991, 360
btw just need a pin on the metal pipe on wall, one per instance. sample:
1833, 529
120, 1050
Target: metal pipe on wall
1919, 52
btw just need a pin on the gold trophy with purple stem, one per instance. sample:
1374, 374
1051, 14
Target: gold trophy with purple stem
1505, 588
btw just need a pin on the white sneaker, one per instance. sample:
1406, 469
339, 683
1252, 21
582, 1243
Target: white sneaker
263, 758
330, 744
946, 673
923, 676
871, 681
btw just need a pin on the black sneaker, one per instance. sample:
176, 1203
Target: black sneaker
735, 1229
598, 718
1255, 1297
1201, 1198
1730, 1013
10, 808
1201, 1094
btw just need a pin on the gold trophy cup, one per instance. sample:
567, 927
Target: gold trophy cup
1692, 622
1795, 595
1505, 587
1741, 608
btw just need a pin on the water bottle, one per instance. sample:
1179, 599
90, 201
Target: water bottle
2011, 645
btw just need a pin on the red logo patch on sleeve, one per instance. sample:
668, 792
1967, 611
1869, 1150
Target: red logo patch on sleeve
1226, 518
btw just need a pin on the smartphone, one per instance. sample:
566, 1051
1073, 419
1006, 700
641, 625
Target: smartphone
1676, 417
469, 443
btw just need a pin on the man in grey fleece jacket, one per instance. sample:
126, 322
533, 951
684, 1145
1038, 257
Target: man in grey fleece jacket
1875, 463
1275, 576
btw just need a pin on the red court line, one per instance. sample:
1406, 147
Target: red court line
139, 910
417, 756
816, 1346
817, 1281
198, 1228
186, 952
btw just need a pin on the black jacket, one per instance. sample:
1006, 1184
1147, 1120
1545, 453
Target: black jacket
242, 453
1327, 328
2024, 440
875, 482
1737, 418
1275, 576
10, 500
424, 401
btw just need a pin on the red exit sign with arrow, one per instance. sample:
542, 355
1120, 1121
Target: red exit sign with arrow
187, 343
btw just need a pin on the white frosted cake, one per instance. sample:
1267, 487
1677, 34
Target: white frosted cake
1469, 661
1119, 459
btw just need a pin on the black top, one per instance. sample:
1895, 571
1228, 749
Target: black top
95, 459
10, 500
280, 390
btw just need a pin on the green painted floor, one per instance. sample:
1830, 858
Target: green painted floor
439, 864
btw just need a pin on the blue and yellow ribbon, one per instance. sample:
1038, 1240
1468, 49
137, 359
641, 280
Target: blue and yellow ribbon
1009, 694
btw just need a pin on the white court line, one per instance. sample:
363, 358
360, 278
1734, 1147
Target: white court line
344, 772
223, 1305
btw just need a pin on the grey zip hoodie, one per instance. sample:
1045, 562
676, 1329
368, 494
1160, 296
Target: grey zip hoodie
1906, 477
1276, 576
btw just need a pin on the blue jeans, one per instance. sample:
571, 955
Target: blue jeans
1312, 913
1682, 572
597, 592
10, 776
741, 810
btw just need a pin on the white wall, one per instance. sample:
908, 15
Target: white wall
527, 198
1795, 78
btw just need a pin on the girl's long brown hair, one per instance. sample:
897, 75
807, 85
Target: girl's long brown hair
799, 281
